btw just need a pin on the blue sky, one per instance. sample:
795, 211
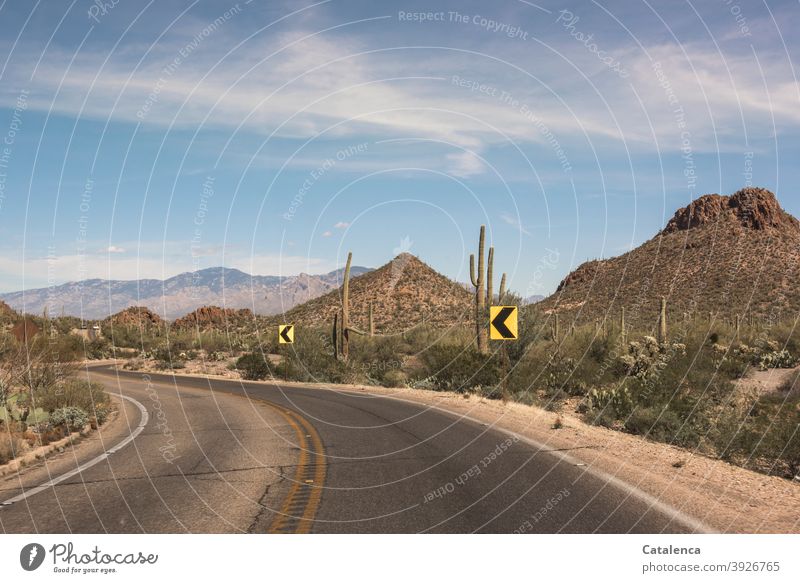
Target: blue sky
143, 140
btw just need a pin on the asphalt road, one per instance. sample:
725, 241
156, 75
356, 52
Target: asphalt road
290, 459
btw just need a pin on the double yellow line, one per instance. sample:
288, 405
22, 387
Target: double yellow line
302, 502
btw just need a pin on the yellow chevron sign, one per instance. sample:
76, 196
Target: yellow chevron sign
503, 323
286, 334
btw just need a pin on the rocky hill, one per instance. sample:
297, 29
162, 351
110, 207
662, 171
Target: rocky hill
94, 299
725, 255
139, 317
214, 318
405, 293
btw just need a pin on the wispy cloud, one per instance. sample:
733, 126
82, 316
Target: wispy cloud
464, 164
512, 220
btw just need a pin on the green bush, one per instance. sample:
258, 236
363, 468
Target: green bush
458, 368
253, 366
71, 393
73, 418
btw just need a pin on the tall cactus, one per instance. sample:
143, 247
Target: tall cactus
371, 321
346, 309
556, 328
481, 336
335, 335
662, 321
622, 325
502, 289
490, 278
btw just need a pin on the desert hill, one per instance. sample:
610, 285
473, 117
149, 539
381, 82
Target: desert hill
214, 318
139, 317
405, 293
721, 255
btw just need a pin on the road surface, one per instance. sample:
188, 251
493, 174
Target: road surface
225, 456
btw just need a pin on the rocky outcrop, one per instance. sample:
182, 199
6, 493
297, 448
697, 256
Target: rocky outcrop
208, 317
135, 316
752, 208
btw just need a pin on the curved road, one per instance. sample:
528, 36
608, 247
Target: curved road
226, 456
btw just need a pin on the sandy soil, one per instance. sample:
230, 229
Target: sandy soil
723, 497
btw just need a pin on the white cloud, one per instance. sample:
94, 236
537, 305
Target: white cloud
464, 164
115, 249
341, 225
512, 220
327, 234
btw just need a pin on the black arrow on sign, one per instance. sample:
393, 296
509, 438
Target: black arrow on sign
285, 334
499, 322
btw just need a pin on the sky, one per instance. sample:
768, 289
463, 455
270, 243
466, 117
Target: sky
145, 139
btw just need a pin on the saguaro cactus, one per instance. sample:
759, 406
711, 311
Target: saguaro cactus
481, 337
662, 321
335, 335
484, 299
371, 321
346, 309
490, 278
622, 325
556, 328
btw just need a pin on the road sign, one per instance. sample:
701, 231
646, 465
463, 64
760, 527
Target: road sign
286, 333
503, 323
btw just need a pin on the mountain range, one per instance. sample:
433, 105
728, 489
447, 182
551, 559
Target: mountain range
95, 299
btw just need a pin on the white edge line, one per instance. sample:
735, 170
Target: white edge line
86, 465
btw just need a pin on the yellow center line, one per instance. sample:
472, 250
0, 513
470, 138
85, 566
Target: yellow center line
311, 452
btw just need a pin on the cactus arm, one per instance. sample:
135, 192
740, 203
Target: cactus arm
472, 271
489, 278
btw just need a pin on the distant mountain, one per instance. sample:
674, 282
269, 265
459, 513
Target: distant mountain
404, 293
724, 255
95, 299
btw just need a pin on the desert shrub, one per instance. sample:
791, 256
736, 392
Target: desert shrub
101, 412
394, 378
72, 418
768, 438
212, 342
776, 359
133, 364
169, 358
253, 366
311, 359
607, 406
458, 368
74, 394
97, 349
11, 446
